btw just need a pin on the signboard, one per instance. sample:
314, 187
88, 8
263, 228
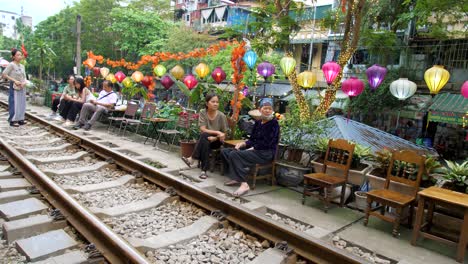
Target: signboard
446, 117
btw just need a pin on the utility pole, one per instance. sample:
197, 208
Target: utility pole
309, 64
78, 45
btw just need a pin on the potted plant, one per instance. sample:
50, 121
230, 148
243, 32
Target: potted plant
456, 176
190, 133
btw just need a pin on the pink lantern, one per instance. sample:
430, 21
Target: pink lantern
218, 75
352, 86
331, 70
119, 76
464, 89
375, 76
190, 81
167, 82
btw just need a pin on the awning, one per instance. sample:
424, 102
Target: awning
449, 108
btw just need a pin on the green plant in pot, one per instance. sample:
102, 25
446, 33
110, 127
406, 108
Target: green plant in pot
431, 165
361, 153
320, 147
456, 175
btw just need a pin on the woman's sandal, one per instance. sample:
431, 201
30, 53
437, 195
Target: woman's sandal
187, 162
203, 175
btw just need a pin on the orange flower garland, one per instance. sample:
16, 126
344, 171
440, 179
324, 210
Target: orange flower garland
162, 56
87, 80
238, 64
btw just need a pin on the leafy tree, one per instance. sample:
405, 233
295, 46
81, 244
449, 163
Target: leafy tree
43, 50
160, 8
272, 24
138, 32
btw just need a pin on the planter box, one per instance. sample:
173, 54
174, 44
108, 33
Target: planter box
377, 182
355, 177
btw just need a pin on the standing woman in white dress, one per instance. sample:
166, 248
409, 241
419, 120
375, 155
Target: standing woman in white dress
17, 93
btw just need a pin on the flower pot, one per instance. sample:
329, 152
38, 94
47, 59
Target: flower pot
355, 177
186, 148
361, 200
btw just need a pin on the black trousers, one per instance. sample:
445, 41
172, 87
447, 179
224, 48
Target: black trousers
70, 110
203, 149
238, 162
55, 104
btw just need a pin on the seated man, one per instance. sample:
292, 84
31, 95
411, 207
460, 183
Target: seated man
105, 101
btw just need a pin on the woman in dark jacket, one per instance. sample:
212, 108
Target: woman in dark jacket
259, 149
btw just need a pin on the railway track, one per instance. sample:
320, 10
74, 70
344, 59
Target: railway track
135, 213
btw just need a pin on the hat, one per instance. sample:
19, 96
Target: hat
266, 101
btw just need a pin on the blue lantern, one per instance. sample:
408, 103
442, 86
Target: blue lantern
250, 57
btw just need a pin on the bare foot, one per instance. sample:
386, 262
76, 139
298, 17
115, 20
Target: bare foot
243, 189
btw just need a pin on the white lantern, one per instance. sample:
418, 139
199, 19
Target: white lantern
402, 88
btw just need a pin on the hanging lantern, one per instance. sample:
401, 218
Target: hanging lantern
96, 71
159, 70
218, 75
464, 89
331, 70
352, 86
147, 81
287, 64
190, 81
436, 77
202, 70
250, 58
167, 82
127, 82
402, 88
306, 79
104, 72
265, 69
111, 77
375, 76
120, 76
137, 76
90, 63
178, 72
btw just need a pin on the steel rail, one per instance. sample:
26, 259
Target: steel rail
310, 248
113, 247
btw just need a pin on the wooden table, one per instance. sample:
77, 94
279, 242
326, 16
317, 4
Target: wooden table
233, 142
437, 195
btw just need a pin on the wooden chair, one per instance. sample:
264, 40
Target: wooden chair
146, 114
406, 167
339, 155
129, 113
269, 165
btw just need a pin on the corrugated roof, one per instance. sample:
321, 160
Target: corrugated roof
341, 127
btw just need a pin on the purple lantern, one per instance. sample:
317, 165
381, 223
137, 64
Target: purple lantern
167, 82
464, 89
352, 86
265, 69
331, 70
245, 91
375, 76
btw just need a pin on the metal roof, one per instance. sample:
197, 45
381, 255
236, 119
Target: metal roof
341, 127
449, 108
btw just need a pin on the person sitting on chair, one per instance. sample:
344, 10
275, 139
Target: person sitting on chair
57, 102
259, 149
213, 127
91, 111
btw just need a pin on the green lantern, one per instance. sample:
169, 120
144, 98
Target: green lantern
287, 64
159, 70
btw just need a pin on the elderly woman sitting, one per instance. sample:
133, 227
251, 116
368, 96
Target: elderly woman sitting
260, 148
